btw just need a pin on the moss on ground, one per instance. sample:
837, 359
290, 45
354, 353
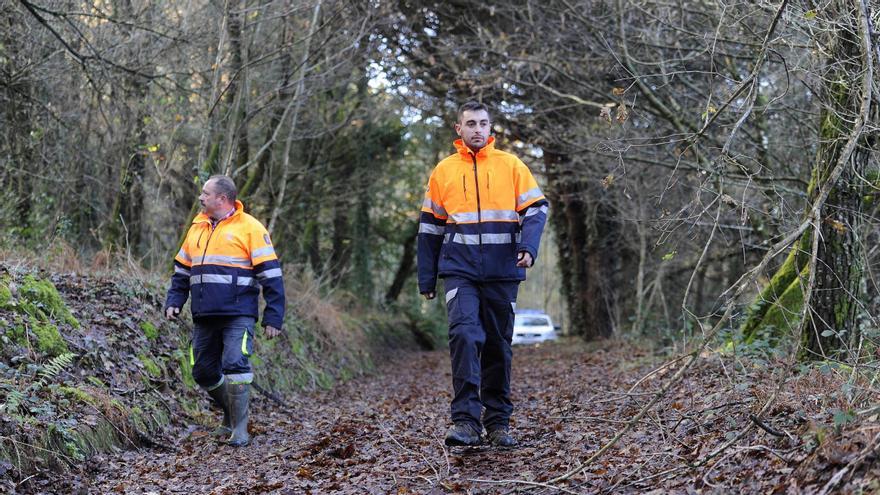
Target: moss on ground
150, 330
79, 395
150, 366
40, 299
5, 293
49, 340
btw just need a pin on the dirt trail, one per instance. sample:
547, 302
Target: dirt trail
383, 434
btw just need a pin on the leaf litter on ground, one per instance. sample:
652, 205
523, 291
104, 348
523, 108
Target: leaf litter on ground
384, 434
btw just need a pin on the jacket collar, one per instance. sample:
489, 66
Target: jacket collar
203, 217
466, 152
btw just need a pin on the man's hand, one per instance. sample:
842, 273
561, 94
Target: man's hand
524, 259
272, 332
429, 295
171, 312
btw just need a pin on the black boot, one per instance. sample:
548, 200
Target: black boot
222, 398
500, 437
463, 435
239, 396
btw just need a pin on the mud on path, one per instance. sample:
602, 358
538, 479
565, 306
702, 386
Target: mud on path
384, 434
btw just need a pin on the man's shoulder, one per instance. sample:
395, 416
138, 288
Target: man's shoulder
449, 161
250, 222
505, 156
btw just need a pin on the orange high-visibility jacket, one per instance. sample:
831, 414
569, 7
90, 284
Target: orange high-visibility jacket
223, 266
479, 211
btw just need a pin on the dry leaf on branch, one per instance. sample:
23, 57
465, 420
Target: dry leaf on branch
622, 113
605, 113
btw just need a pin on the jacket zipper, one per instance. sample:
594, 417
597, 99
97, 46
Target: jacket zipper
479, 215
464, 186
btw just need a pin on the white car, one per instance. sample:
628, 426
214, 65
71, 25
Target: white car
533, 327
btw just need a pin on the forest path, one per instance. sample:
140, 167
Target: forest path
384, 434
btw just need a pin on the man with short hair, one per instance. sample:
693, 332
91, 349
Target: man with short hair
480, 227
225, 259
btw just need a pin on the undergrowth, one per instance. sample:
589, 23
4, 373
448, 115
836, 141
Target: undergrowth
88, 362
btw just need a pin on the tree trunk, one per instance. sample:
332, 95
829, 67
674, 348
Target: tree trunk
837, 296
583, 230
236, 91
837, 300
407, 263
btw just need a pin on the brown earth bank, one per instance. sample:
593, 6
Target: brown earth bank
384, 434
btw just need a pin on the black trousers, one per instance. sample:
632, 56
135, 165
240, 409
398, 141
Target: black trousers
221, 347
480, 330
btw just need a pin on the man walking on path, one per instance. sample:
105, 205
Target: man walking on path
225, 259
480, 227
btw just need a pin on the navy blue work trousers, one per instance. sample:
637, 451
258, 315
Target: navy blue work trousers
221, 346
480, 330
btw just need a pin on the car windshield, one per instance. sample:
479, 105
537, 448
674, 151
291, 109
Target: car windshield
531, 321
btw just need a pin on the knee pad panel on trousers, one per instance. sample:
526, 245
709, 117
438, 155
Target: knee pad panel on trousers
238, 345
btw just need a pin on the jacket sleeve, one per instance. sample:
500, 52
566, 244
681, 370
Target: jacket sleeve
178, 293
532, 207
432, 227
267, 269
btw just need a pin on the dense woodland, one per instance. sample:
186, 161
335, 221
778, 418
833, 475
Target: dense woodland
707, 151
712, 166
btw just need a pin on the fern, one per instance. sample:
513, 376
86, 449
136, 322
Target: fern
53, 368
13, 400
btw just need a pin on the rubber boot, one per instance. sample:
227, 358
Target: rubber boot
221, 397
239, 396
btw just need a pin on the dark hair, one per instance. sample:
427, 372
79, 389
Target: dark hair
224, 186
473, 106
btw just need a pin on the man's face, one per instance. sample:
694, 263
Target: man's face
474, 128
213, 204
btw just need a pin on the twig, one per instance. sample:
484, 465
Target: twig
654, 372
761, 425
534, 484
410, 451
270, 395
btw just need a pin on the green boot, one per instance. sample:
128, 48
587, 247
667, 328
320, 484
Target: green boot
221, 397
239, 396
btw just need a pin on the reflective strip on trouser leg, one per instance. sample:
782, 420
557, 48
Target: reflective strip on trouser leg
496, 317
240, 378
212, 387
466, 340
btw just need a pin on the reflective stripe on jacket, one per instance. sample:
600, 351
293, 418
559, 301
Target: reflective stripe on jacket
479, 211
223, 267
